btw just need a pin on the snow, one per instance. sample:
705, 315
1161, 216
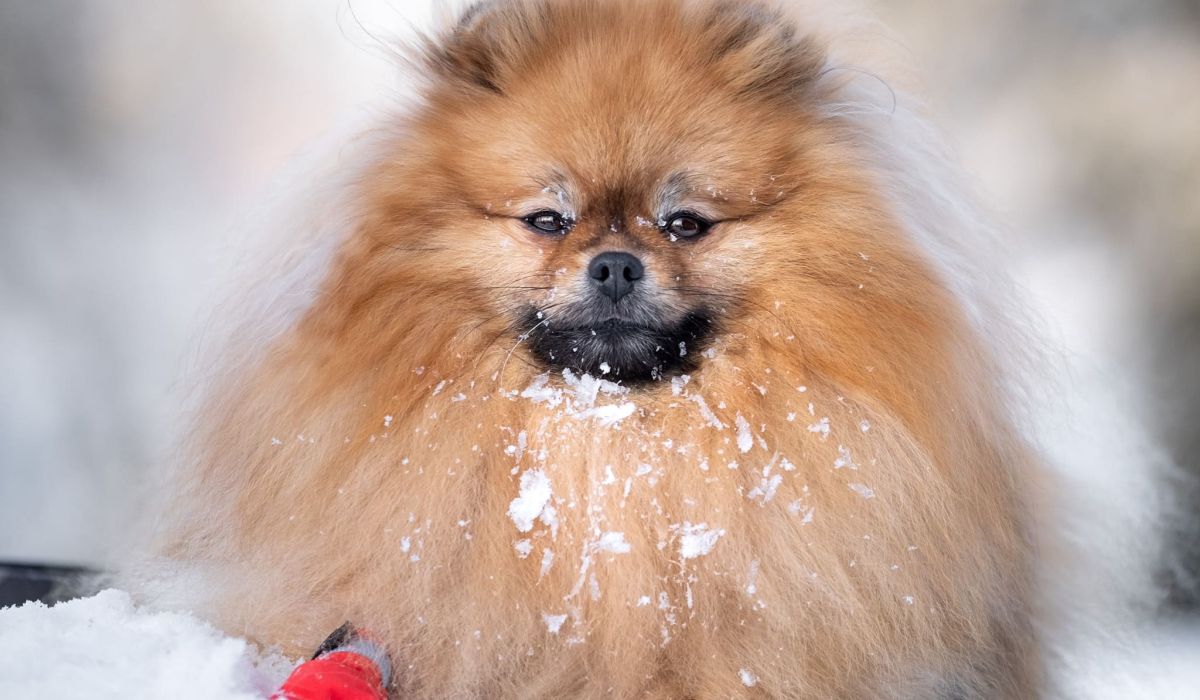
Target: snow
106, 647
707, 413
748, 678
862, 490
613, 542
765, 491
744, 440
580, 397
697, 540
611, 414
533, 502
1159, 664
752, 579
844, 459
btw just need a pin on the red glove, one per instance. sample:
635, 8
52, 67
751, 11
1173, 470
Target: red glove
348, 666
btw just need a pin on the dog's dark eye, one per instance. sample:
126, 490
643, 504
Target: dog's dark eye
548, 222
686, 225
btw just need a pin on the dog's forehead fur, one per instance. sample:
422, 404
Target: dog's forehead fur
669, 100
751, 46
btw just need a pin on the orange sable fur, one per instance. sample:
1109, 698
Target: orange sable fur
869, 538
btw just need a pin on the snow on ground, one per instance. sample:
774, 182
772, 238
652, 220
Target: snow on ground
106, 647
1163, 664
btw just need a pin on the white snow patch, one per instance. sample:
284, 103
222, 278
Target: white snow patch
748, 678
752, 579
611, 414
553, 622
765, 491
843, 459
862, 490
523, 547
540, 391
533, 502
106, 648
697, 540
799, 507
744, 439
707, 413
613, 542
580, 396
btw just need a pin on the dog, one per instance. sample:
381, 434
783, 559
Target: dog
657, 356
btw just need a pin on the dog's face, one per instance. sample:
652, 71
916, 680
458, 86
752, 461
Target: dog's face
622, 220
619, 194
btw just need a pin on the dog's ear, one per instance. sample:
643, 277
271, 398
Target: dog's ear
480, 48
758, 51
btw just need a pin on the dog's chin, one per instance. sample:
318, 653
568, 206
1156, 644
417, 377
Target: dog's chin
621, 350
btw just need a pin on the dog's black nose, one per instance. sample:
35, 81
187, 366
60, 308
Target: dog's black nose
614, 273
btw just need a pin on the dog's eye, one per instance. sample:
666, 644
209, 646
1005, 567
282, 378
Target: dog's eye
548, 222
686, 225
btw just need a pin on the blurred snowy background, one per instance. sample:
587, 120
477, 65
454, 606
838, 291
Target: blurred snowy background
134, 135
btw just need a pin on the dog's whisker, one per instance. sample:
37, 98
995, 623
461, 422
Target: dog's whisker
520, 339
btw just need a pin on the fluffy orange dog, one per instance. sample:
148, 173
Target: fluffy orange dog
648, 366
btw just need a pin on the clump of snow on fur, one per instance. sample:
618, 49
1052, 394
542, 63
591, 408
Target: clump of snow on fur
707, 413
611, 414
748, 678
765, 491
553, 622
697, 540
613, 542
744, 439
533, 502
579, 398
540, 391
862, 490
752, 579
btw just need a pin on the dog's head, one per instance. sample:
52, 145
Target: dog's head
623, 182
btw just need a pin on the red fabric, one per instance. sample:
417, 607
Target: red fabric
342, 675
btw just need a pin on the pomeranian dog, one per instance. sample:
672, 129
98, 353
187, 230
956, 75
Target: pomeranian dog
658, 357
